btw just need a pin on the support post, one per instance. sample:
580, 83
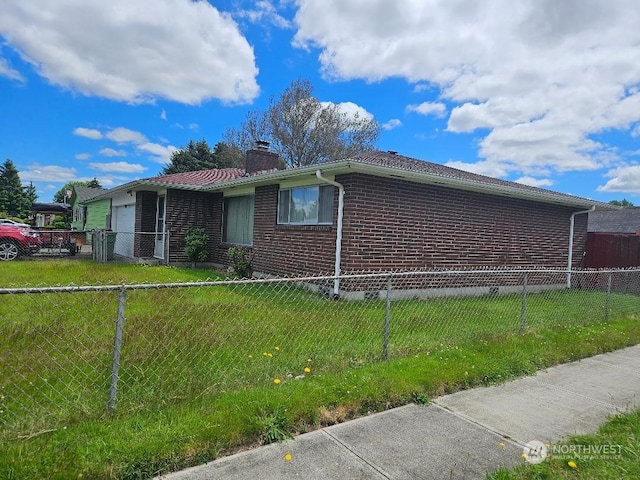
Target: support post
387, 315
523, 310
607, 304
117, 348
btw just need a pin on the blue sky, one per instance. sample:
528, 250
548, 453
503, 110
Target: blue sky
541, 92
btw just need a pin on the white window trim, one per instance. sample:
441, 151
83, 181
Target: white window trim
291, 188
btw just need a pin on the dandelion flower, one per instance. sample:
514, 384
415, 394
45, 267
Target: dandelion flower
265, 353
287, 457
250, 356
572, 464
270, 354
501, 444
309, 360
276, 381
277, 348
307, 369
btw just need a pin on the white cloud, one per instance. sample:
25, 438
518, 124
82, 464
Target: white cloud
91, 133
350, 110
534, 81
391, 124
124, 135
481, 168
120, 167
182, 50
7, 71
194, 126
158, 153
623, 179
110, 152
163, 115
535, 182
264, 12
82, 156
48, 173
429, 108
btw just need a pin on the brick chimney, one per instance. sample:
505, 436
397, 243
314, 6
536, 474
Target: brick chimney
261, 160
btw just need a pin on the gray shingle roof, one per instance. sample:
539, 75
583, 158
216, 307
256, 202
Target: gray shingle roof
86, 193
393, 160
625, 220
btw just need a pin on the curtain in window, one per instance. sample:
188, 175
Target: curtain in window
238, 221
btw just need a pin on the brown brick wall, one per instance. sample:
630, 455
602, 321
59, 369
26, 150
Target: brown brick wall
285, 249
394, 224
187, 209
389, 224
397, 225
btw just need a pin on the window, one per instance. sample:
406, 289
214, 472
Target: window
238, 220
306, 205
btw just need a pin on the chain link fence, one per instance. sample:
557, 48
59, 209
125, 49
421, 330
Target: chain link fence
76, 352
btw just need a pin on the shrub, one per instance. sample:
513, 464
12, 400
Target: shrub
241, 258
195, 245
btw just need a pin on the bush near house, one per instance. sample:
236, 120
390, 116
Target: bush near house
195, 247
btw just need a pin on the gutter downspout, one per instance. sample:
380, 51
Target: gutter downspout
336, 271
570, 256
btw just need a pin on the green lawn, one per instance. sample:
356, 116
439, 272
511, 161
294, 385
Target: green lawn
204, 370
579, 457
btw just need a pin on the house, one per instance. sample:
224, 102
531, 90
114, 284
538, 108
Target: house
46, 213
86, 219
376, 211
613, 239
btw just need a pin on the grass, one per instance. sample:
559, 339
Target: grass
199, 366
613, 452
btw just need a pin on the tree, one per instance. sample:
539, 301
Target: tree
621, 203
303, 130
229, 156
61, 196
13, 199
196, 156
30, 193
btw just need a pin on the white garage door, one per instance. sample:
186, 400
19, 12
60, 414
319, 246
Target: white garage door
124, 218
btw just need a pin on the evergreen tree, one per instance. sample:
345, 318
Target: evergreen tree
13, 199
195, 156
30, 193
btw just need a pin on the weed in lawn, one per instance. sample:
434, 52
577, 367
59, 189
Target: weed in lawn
273, 425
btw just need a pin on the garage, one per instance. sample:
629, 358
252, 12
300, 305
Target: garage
123, 223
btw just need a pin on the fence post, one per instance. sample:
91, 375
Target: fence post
608, 300
117, 348
387, 315
523, 311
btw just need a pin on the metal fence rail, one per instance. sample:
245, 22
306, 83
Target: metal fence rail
77, 351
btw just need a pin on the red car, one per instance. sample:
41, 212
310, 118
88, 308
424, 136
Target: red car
16, 241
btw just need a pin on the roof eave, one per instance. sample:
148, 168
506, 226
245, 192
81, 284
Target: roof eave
420, 177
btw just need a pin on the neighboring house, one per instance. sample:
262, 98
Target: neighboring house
376, 211
83, 218
621, 220
613, 239
45, 213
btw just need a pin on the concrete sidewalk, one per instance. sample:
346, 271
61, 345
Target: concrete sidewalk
463, 435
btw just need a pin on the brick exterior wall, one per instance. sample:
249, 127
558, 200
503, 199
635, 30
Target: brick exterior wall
392, 224
285, 249
186, 209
